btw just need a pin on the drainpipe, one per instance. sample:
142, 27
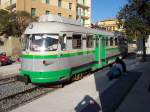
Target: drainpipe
24, 5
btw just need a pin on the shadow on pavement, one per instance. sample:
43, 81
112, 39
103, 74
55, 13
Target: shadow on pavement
111, 97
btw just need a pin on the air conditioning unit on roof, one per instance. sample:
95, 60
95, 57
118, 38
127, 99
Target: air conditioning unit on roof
56, 18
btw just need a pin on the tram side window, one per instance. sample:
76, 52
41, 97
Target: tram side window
97, 42
116, 41
89, 41
76, 42
111, 41
102, 42
69, 43
106, 42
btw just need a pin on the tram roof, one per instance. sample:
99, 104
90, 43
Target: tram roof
56, 28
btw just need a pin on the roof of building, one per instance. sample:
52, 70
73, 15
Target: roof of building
113, 19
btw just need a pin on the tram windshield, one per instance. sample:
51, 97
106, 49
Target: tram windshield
42, 42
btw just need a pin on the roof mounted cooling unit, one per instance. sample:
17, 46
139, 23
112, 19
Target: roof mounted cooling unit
56, 18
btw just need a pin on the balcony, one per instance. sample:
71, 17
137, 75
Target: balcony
83, 17
83, 6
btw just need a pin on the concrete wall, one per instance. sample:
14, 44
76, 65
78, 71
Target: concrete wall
12, 46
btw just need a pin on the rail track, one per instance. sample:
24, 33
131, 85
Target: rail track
8, 80
22, 96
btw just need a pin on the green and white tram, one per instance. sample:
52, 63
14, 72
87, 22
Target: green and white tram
57, 49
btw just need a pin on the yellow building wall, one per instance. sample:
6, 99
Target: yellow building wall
110, 25
41, 7
52, 7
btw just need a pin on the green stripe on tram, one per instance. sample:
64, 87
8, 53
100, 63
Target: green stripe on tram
57, 55
49, 76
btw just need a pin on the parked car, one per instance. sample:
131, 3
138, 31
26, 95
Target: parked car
4, 60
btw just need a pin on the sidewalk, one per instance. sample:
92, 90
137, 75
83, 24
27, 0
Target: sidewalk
138, 99
9, 70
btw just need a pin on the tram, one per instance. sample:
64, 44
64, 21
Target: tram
58, 49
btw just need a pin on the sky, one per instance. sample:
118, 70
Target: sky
106, 9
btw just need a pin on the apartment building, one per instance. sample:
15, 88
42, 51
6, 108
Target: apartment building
84, 11
65, 8
73, 9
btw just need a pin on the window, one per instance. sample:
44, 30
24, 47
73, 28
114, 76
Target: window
47, 1
83, 1
89, 41
70, 6
43, 42
83, 22
114, 28
70, 16
33, 11
111, 41
106, 42
59, 3
76, 42
97, 41
116, 41
47, 12
83, 13
59, 14
10, 1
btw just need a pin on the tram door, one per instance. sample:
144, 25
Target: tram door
98, 51
103, 50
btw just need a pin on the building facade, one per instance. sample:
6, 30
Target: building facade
110, 25
84, 12
66, 8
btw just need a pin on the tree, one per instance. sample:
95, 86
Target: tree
6, 24
23, 19
14, 24
135, 16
